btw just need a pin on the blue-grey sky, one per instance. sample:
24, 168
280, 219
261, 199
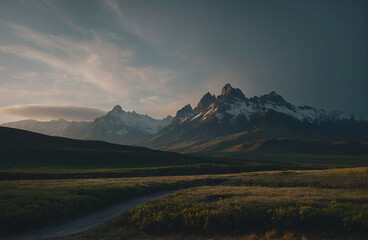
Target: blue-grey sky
156, 56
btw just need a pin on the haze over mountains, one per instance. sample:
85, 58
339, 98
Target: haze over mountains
226, 123
117, 126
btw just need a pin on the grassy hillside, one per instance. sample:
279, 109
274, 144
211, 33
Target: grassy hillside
25, 149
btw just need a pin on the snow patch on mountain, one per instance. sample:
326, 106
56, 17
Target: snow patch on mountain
141, 122
241, 109
232, 102
210, 110
303, 114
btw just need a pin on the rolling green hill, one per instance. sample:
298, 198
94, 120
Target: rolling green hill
23, 149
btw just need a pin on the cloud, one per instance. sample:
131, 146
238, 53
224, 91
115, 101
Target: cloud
96, 61
90, 71
125, 22
149, 99
113, 5
40, 112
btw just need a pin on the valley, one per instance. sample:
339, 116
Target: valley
230, 119
183, 120
240, 168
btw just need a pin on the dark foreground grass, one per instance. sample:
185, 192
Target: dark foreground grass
25, 205
185, 170
202, 166
226, 209
28, 204
233, 210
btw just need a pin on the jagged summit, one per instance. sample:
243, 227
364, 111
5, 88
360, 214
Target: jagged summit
273, 95
124, 127
206, 101
232, 119
226, 89
233, 106
184, 112
273, 99
117, 108
229, 92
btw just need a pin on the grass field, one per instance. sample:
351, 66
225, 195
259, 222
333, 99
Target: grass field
317, 204
201, 166
28, 204
194, 169
225, 209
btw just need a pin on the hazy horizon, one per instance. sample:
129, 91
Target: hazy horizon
78, 59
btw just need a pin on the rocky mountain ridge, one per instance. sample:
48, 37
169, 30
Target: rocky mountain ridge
265, 117
226, 120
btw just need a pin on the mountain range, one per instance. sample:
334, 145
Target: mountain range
230, 119
117, 126
230, 122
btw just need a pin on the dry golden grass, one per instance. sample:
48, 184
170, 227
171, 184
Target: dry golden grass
241, 194
36, 202
331, 178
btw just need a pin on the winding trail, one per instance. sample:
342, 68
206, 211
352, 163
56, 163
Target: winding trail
82, 225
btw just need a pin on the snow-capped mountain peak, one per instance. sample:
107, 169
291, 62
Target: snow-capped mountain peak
239, 119
122, 121
228, 92
183, 113
206, 101
125, 127
232, 104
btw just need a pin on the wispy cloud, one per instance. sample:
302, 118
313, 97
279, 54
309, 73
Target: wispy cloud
128, 22
39, 112
148, 99
123, 52
94, 61
113, 5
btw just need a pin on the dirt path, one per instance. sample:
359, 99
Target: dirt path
82, 225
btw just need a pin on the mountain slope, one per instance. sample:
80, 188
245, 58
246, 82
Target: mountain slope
297, 146
265, 117
234, 144
24, 149
117, 126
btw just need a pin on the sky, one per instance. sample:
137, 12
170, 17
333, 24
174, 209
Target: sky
77, 59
